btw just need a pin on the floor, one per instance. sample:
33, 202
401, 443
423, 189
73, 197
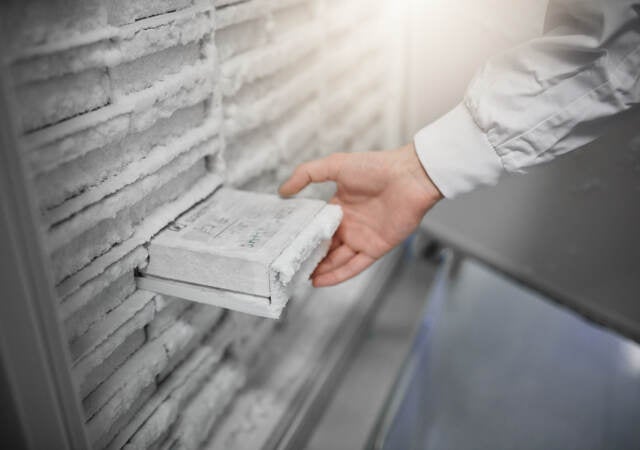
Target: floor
496, 366
352, 413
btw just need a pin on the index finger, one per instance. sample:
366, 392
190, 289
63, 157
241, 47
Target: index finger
325, 169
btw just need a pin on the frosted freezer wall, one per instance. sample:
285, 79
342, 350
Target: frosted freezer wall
127, 114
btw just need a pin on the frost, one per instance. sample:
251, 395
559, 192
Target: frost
299, 259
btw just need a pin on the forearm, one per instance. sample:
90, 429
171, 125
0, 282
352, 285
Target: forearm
539, 100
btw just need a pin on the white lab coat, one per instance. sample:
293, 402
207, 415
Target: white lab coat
543, 98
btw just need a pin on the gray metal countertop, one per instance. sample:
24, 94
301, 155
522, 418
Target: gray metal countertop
569, 229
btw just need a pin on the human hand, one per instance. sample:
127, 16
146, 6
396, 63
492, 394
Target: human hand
383, 196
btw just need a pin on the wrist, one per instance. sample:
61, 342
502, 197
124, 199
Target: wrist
411, 167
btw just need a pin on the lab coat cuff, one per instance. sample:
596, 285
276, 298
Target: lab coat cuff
456, 154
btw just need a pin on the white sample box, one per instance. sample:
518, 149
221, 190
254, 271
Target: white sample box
241, 250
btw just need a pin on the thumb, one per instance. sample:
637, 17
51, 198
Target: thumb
325, 169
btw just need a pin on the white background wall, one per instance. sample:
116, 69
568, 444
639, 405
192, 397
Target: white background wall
447, 41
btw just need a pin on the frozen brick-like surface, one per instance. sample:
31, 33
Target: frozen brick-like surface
89, 375
95, 287
108, 170
276, 96
153, 422
48, 102
289, 17
121, 389
168, 311
241, 11
141, 73
110, 231
250, 156
257, 63
109, 299
58, 145
237, 38
151, 225
40, 23
69, 231
129, 114
102, 433
118, 325
124, 11
247, 344
168, 403
202, 412
187, 333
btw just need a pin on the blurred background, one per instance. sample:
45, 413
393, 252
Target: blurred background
507, 321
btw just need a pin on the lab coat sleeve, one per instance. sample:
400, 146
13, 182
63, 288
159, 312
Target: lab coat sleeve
541, 99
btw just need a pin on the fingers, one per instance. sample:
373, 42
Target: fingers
362, 237
335, 242
349, 270
325, 169
334, 259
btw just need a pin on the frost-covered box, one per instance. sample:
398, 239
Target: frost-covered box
241, 250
